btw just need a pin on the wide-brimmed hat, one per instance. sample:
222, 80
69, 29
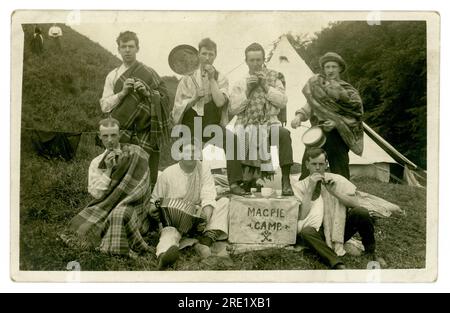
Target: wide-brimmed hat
332, 56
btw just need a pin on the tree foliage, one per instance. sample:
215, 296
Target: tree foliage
387, 64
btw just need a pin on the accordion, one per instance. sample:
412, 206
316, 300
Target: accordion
178, 213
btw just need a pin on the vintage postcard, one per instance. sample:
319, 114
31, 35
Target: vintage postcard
224, 146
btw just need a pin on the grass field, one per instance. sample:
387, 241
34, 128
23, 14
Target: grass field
53, 191
60, 93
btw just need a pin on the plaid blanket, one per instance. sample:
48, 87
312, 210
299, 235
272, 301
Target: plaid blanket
144, 120
115, 222
258, 112
328, 103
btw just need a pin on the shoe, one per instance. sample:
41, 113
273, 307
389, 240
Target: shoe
339, 266
286, 187
235, 189
208, 238
168, 258
373, 257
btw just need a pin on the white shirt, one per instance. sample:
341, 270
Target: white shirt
188, 89
55, 31
99, 179
109, 100
173, 183
314, 218
315, 215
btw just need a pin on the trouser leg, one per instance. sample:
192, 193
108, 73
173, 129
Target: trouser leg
234, 167
359, 220
316, 241
169, 237
337, 151
153, 163
219, 219
284, 147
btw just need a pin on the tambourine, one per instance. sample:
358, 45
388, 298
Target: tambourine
314, 137
183, 59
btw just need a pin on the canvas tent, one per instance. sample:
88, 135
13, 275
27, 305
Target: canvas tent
378, 154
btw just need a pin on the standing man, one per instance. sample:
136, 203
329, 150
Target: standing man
337, 106
135, 95
257, 100
203, 97
37, 43
330, 212
55, 34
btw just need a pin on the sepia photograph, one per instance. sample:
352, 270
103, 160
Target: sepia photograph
224, 146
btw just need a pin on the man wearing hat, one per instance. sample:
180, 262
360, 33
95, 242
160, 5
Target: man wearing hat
337, 106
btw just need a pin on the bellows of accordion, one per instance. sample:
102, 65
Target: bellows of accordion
179, 213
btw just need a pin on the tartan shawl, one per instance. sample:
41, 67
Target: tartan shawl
347, 115
129, 192
148, 118
258, 112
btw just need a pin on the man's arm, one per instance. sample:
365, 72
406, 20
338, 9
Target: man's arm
306, 202
238, 98
276, 95
185, 98
98, 179
219, 91
311, 184
219, 87
348, 200
110, 100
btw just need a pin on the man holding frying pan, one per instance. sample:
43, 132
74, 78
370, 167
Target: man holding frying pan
337, 107
202, 98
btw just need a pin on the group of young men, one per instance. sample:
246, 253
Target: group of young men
124, 179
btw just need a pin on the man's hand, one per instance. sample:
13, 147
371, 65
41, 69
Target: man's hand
154, 212
128, 85
140, 88
207, 213
110, 160
210, 71
296, 122
314, 178
262, 80
330, 185
206, 216
252, 81
328, 125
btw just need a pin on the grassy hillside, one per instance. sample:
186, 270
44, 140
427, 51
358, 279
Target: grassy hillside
61, 92
61, 89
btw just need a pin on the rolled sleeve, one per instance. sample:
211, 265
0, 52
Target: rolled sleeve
238, 98
277, 96
305, 112
99, 181
109, 100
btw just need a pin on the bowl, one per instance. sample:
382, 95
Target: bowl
266, 192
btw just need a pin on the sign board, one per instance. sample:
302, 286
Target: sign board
263, 221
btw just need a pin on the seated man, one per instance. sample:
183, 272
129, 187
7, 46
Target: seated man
190, 181
119, 180
257, 99
330, 213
